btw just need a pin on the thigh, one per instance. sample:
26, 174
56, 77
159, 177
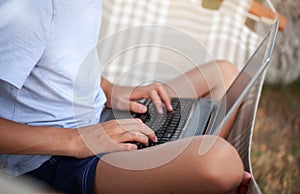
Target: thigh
211, 80
194, 165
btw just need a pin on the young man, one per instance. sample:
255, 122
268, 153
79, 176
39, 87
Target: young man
42, 46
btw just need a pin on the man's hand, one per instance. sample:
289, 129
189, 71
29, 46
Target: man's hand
112, 136
125, 98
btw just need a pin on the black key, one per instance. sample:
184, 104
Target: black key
167, 126
168, 135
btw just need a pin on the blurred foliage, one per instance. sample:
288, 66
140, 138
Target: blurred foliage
275, 151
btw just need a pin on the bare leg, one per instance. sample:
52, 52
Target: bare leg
211, 80
220, 170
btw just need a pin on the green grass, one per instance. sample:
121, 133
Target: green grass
276, 147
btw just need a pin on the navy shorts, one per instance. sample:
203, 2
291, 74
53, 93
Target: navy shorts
67, 174
70, 175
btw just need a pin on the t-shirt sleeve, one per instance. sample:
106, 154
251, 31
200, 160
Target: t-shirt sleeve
24, 29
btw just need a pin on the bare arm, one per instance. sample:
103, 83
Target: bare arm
18, 138
83, 142
109, 136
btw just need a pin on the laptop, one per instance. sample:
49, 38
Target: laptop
192, 117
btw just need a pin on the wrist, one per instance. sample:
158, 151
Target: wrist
77, 147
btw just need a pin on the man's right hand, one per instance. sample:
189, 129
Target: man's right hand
112, 136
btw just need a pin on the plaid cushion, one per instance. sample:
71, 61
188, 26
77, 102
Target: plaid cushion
185, 34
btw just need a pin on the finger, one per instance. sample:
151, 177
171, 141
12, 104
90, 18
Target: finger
128, 146
165, 97
137, 107
132, 136
148, 132
133, 125
142, 128
124, 147
157, 101
120, 125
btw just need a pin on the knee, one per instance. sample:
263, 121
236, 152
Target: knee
223, 167
227, 70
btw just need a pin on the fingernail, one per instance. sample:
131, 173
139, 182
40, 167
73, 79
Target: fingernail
160, 110
170, 107
155, 139
142, 109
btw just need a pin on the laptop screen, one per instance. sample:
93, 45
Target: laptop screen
244, 81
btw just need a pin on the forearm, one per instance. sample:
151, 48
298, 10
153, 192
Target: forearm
24, 139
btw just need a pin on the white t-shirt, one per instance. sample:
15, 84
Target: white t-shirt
46, 78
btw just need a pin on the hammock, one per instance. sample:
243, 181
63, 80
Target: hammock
165, 31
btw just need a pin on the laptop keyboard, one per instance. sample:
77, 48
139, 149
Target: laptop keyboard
169, 125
